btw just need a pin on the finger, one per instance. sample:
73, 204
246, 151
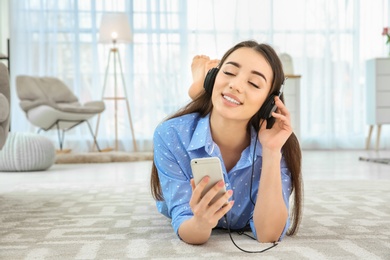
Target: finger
192, 182
225, 209
282, 109
222, 201
208, 197
283, 122
282, 118
198, 189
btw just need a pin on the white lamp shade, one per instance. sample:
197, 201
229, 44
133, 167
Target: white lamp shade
115, 26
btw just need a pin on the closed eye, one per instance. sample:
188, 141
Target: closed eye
228, 73
253, 84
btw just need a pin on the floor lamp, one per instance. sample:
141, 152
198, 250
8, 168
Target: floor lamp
114, 29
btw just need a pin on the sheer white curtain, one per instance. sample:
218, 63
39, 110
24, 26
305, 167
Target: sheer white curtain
60, 39
329, 40
57, 39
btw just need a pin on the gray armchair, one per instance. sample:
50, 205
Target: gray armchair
50, 104
4, 104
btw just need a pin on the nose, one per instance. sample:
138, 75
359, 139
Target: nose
237, 84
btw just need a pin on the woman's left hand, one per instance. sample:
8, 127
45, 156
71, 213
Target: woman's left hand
275, 137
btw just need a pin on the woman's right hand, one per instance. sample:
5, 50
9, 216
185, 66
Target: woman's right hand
207, 215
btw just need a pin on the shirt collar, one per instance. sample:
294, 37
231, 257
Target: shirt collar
202, 138
202, 135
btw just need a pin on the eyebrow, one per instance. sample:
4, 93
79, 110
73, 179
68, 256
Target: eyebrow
253, 71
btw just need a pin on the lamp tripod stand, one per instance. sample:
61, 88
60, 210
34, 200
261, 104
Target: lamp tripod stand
116, 56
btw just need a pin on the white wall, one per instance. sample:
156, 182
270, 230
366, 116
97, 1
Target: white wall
4, 25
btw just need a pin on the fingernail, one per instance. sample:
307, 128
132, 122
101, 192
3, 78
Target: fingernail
230, 192
221, 183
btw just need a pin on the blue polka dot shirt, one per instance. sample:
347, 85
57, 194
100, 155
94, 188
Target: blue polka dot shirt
177, 141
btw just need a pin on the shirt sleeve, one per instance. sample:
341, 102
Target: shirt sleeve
286, 190
174, 180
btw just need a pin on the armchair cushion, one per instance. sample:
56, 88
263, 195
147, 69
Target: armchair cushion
26, 105
52, 92
88, 109
43, 88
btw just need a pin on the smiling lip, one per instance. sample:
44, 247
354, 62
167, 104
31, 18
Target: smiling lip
231, 99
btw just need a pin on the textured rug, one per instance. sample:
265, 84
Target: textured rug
342, 220
376, 160
104, 157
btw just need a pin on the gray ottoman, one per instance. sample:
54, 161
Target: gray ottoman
26, 152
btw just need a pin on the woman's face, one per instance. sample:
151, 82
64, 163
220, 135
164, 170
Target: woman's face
242, 85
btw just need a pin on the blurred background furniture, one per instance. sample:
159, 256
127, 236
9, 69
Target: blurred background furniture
292, 98
25, 152
50, 104
4, 104
7, 58
377, 96
114, 29
292, 92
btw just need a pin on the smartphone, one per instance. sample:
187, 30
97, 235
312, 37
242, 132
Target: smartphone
210, 166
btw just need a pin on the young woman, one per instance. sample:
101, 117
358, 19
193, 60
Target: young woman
261, 164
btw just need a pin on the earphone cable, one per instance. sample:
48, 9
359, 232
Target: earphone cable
250, 197
243, 250
253, 164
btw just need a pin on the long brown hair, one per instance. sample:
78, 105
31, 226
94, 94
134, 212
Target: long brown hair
291, 149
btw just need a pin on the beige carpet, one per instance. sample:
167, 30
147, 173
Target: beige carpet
342, 220
104, 157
